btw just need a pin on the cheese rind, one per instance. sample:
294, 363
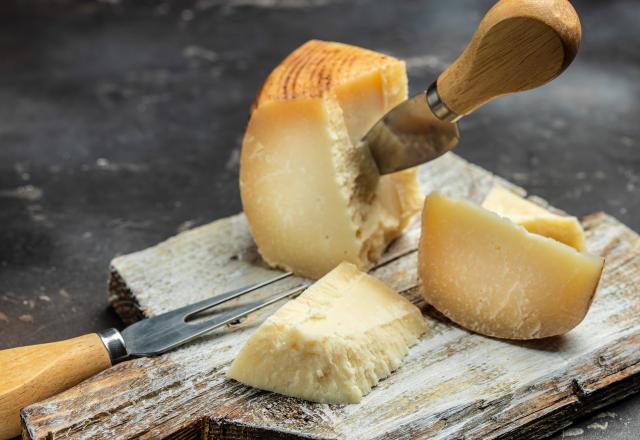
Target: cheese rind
534, 218
312, 198
493, 277
334, 342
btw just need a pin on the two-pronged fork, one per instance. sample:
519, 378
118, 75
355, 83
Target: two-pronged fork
32, 373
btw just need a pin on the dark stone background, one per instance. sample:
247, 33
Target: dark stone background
120, 124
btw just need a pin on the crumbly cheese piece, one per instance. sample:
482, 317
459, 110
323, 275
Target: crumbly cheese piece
334, 342
491, 276
313, 198
534, 218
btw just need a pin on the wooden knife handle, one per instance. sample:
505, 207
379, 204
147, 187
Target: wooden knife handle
33, 373
518, 45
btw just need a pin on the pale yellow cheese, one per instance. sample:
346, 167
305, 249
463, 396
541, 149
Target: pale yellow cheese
491, 276
534, 218
311, 197
334, 342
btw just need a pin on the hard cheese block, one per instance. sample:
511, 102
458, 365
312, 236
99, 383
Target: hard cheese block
334, 342
313, 198
535, 218
492, 276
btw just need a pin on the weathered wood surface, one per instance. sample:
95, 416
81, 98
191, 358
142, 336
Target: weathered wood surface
452, 384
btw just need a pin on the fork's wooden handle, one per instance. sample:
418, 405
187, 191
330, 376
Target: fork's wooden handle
35, 372
518, 45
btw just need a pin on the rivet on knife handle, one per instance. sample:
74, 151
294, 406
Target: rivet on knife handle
518, 45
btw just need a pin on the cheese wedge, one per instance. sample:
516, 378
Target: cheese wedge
334, 342
313, 198
491, 276
534, 218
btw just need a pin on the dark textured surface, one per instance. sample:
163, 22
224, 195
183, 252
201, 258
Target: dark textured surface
121, 123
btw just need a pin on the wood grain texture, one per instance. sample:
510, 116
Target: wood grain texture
453, 383
519, 45
35, 372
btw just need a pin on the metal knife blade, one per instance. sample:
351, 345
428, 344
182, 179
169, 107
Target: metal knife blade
416, 131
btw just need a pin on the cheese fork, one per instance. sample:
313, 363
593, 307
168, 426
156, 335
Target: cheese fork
33, 373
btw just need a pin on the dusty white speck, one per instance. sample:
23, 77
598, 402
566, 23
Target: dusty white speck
520, 176
572, 432
21, 170
547, 134
626, 141
600, 175
162, 9
107, 165
26, 318
606, 414
199, 52
422, 62
4, 317
233, 160
87, 234
186, 225
64, 293
44, 298
27, 192
603, 426
35, 211
187, 15
216, 71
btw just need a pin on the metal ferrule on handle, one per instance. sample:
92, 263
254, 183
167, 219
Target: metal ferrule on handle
438, 107
113, 341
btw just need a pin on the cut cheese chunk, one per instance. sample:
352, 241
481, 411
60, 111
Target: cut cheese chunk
534, 218
493, 277
312, 198
334, 342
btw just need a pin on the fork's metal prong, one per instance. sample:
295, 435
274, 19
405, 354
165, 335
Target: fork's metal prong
200, 306
168, 330
198, 329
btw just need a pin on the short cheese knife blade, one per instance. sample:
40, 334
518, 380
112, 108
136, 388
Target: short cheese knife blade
519, 45
409, 135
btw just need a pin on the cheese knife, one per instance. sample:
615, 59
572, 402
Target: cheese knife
519, 45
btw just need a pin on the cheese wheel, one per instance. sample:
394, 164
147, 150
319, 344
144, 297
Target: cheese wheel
491, 276
312, 197
534, 218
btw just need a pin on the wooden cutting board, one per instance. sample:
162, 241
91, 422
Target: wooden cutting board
452, 384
